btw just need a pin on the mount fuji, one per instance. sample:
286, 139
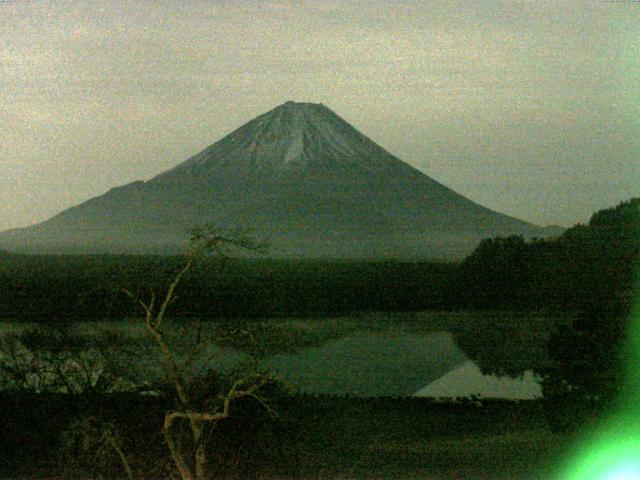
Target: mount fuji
298, 175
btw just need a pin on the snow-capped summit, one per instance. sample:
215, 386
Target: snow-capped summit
298, 174
292, 139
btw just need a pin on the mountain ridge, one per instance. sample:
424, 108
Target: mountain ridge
299, 174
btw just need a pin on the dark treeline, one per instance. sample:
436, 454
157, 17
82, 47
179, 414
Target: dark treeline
67, 288
588, 268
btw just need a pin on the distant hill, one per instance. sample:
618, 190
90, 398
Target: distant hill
298, 175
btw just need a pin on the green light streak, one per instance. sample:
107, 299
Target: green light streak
613, 453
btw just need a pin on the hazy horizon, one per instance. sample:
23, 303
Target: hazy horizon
527, 108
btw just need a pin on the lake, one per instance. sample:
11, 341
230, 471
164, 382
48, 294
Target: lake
439, 355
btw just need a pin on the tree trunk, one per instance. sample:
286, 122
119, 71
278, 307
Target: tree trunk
200, 456
176, 455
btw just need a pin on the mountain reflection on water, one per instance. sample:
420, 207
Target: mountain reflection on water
371, 363
497, 360
468, 381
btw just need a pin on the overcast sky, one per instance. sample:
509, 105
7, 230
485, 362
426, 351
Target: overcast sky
531, 108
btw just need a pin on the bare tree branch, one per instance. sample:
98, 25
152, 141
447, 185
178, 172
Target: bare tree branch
204, 239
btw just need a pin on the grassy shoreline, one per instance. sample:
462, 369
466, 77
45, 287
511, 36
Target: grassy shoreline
315, 437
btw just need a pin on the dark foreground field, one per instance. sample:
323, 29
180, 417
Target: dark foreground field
313, 438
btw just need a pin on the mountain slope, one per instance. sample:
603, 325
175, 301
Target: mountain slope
299, 175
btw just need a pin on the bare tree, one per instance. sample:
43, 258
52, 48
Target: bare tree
52, 359
191, 462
